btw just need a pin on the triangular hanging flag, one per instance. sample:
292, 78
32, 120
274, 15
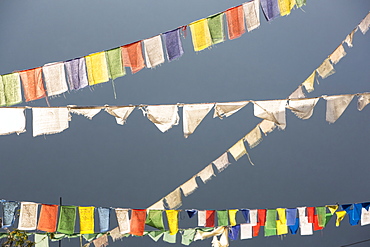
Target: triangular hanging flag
41, 240
297, 94
294, 228
337, 54
222, 218
210, 218
235, 22
363, 101
132, 56
202, 218
154, 218
120, 113
191, 212
48, 218
193, 116
222, 162
286, 6
86, 112
189, 187
104, 218
309, 83
137, 222
49, 120
13, 121
200, 34
153, 51
216, 28
12, 89
336, 105
67, 219
155, 235
174, 199
114, 63
303, 109
365, 216
325, 69
246, 231
365, 24
76, 73
163, 116
272, 110
173, 221
33, 85
97, 69
232, 216
300, 3
340, 217
123, 220
267, 126
101, 241
55, 78
8, 213
86, 219
238, 150
252, 14
206, 174
173, 44
349, 38
227, 109
254, 137
28, 216
270, 9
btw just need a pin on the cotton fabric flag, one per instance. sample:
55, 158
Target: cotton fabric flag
157, 205
281, 223
267, 126
115, 234
316, 226
365, 217
340, 217
163, 116
286, 6
254, 137
137, 222
306, 228
155, 235
234, 232
300, 3
123, 220
210, 218
227, 109
365, 24
294, 228
222, 218
120, 113
132, 56
252, 14
246, 231
48, 218
336, 105
13, 121
253, 217
155, 219
270, 225
104, 217
232, 216
49, 120
168, 238
101, 241
67, 219
193, 116
291, 215
97, 69
202, 218
206, 174
86, 112
297, 94
55, 78
238, 150
28, 216
173, 44
76, 73
310, 214
303, 109
173, 221
325, 69
200, 34
309, 83
337, 54
363, 101
189, 186
41, 240
271, 110
191, 212
33, 85
86, 219
8, 213
245, 213
114, 63
187, 236
235, 22
174, 199
222, 162
270, 9
216, 28
349, 38
153, 51
12, 89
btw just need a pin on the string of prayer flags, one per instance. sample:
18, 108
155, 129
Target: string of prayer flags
254, 137
206, 174
123, 220
235, 22
270, 9
76, 73
216, 28
363, 101
173, 221
286, 6
193, 116
189, 186
238, 150
120, 113
67, 219
12, 89
153, 51
49, 120
173, 44
349, 38
297, 94
137, 222
155, 219
8, 213
33, 85
48, 218
163, 116
15, 121
86, 112
86, 219
267, 126
114, 63
200, 34
337, 54
28, 216
336, 105
271, 110
365, 24
132, 56
309, 83
55, 79
300, 3
104, 217
222, 110
303, 109
97, 69
252, 14
174, 199
222, 162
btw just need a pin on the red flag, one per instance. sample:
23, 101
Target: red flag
137, 222
48, 218
316, 226
210, 218
132, 56
310, 214
33, 85
235, 22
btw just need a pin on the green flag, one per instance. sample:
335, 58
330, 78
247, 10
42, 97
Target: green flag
155, 219
321, 214
155, 235
222, 218
167, 237
188, 236
67, 219
216, 28
12, 89
300, 3
270, 225
114, 62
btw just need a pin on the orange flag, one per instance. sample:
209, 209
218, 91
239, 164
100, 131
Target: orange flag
33, 85
48, 218
137, 222
235, 22
132, 56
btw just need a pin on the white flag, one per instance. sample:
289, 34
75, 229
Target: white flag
193, 116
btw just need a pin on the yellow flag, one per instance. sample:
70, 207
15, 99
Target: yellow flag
309, 83
200, 35
232, 216
332, 208
97, 69
340, 216
281, 225
86, 220
285, 6
173, 221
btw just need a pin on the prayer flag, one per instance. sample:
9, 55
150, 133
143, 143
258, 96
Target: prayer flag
252, 14
193, 116
340, 217
137, 222
174, 199
76, 73
101, 241
153, 51
310, 214
227, 109
300, 3
200, 34
120, 113
270, 225
114, 63
12, 89
235, 22
189, 187
55, 78
337, 54
191, 212
272, 110
245, 213
86, 112
297, 94
321, 214
294, 228
104, 216
267, 126
155, 235
222, 162
67, 219
349, 38
123, 220
157, 205
48, 218
169, 238
363, 101
132, 56
86, 220
163, 116
270, 9
216, 28
232, 216
286, 6
365, 216
234, 232
201, 217
365, 24
316, 226
238, 150
222, 218
187, 236
13, 121
49, 120
261, 216
325, 69
8, 213
309, 83
173, 221
210, 218
303, 109
155, 219
97, 69
41, 240
206, 174
246, 231
291, 215
173, 44
33, 85
281, 223
115, 234
253, 217
28, 216
254, 137
336, 105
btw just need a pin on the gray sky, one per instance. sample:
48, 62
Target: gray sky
97, 162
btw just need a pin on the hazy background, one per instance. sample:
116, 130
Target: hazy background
97, 162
